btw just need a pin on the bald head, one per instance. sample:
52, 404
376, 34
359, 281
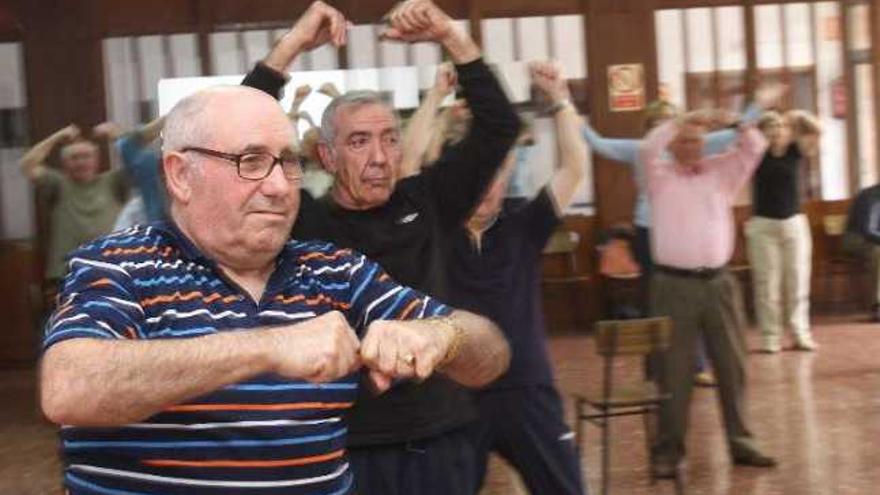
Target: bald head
194, 120
240, 222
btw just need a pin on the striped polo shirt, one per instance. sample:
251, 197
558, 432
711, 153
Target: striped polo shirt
267, 435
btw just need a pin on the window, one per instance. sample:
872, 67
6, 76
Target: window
858, 54
703, 62
133, 67
16, 200
509, 44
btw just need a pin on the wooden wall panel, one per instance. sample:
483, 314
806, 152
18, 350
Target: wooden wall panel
122, 18
10, 28
19, 334
526, 8
63, 65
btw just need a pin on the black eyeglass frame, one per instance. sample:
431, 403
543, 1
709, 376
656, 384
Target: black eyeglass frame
236, 159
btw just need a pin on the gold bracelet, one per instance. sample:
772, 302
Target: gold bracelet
454, 348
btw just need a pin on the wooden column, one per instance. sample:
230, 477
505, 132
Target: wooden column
875, 65
62, 62
852, 127
618, 32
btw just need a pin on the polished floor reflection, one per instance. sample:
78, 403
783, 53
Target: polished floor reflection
819, 413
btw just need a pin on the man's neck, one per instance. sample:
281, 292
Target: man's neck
343, 200
477, 227
251, 273
778, 149
252, 281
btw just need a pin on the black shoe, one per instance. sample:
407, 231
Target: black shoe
754, 458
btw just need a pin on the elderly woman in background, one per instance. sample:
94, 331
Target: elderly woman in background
779, 243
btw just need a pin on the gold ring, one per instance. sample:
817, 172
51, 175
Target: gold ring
408, 359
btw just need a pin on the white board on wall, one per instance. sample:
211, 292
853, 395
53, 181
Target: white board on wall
400, 82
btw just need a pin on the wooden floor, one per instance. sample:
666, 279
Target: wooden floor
818, 413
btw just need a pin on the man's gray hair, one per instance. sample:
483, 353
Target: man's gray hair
349, 99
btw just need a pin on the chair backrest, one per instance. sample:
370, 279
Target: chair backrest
834, 225
641, 336
563, 244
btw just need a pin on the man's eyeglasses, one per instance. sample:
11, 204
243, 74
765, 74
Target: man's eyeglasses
256, 165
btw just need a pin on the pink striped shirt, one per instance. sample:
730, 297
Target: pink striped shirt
692, 216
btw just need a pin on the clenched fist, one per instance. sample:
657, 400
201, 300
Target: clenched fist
404, 349
319, 350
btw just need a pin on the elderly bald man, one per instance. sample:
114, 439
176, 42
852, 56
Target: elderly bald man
211, 354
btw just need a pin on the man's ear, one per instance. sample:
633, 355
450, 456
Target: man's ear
327, 156
178, 177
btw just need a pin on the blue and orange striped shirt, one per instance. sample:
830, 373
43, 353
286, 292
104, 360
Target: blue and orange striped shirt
265, 436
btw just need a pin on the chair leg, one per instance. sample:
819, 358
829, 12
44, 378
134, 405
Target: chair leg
679, 481
606, 456
649, 420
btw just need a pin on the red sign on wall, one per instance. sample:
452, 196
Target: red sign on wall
626, 87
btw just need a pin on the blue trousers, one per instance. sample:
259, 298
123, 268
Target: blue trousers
525, 426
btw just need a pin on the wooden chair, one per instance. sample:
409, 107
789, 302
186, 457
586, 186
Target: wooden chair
566, 277
620, 279
563, 244
840, 270
637, 337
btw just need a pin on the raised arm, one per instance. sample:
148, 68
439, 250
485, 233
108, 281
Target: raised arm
463, 172
107, 131
141, 137
151, 130
33, 163
806, 131
329, 89
652, 148
419, 131
572, 148
133, 145
744, 157
620, 150
293, 113
766, 97
807, 134
319, 24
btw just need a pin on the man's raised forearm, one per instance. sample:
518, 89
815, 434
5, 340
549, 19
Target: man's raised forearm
418, 133
151, 130
33, 161
461, 47
572, 156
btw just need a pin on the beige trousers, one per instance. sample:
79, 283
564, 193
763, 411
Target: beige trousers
780, 253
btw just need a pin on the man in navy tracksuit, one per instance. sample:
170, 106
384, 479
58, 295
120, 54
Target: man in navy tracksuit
494, 266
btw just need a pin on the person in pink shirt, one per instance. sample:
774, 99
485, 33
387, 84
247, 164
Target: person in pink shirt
692, 198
